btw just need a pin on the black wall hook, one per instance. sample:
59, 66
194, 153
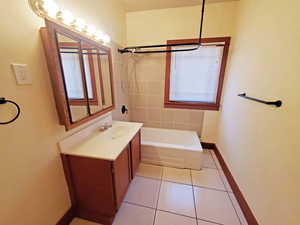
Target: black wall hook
275, 103
4, 101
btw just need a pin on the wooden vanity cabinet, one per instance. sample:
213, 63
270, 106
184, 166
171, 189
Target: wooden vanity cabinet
98, 187
135, 146
122, 175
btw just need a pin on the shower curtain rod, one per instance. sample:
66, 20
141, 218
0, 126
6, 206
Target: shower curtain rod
84, 53
137, 49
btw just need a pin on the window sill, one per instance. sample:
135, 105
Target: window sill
192, 105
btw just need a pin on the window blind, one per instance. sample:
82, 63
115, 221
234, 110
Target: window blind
194, 75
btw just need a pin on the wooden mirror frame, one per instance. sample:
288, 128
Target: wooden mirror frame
49, 39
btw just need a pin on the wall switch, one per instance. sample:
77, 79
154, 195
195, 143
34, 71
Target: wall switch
22, 74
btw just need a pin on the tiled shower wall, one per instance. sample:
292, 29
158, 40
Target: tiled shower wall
120, 76
145, 86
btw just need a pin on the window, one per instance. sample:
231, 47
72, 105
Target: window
194, 79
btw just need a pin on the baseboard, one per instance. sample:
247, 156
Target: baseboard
206, 145
67, 218
249, 216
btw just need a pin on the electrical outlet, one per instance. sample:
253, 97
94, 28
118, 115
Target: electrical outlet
22, 74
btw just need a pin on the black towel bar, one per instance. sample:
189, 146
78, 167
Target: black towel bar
276, 103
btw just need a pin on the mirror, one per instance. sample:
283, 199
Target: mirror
73, 77
81, 72
105, 67
94, 77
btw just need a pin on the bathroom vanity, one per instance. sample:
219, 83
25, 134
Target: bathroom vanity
99, 165
100, 168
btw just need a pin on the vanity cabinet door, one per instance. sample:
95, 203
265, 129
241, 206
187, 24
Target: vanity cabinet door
121, 171
135, 146
93, 187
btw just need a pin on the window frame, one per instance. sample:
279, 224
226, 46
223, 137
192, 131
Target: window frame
196, 105
94, 100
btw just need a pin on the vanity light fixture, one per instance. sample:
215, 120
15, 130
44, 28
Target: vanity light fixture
66, 17
91, 30
79, 24
48, 9
99, 35
106, 38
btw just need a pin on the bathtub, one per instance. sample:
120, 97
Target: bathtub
174, 148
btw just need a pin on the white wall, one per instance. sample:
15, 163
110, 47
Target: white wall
261, 143
33, 188
158, 26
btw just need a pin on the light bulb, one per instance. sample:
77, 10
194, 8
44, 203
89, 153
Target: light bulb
106, 38
67, 17
91, 30
50, 7
99, 35
79, 24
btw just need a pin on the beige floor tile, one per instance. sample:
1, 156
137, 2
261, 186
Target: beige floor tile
78, 221
215, 206
201, 222
143, 191
225, 181
147, 170
165, 218
216, 161
238, 209
209, 178
177, 175
223, 177
208, 160
134, 215
176, 198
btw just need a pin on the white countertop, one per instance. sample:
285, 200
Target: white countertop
106, 144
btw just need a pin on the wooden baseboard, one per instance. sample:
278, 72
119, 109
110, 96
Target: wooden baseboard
234, 186
206, 145
67, 218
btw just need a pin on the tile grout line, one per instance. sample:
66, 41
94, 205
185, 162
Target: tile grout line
173, 182
140, 205
170, 212
211, 155
209, 221
227, 191
220, 175
161, 176
162, 180
173, 213
235, 210
178, 214
194, 199
193, 186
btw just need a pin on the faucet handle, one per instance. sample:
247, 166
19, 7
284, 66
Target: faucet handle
107, 125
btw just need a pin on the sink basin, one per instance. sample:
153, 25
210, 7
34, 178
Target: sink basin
119, 131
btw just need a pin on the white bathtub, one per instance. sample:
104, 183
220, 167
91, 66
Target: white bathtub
174, 148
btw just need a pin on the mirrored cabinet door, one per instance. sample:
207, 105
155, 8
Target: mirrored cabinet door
81, 75
104, 59
73, 76
93, 77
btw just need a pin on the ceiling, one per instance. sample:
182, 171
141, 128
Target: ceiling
140, 5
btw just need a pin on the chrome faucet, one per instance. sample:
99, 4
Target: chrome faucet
105, 126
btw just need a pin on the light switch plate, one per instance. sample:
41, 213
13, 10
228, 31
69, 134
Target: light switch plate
22, 74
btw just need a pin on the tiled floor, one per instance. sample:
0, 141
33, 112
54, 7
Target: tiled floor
170, 196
